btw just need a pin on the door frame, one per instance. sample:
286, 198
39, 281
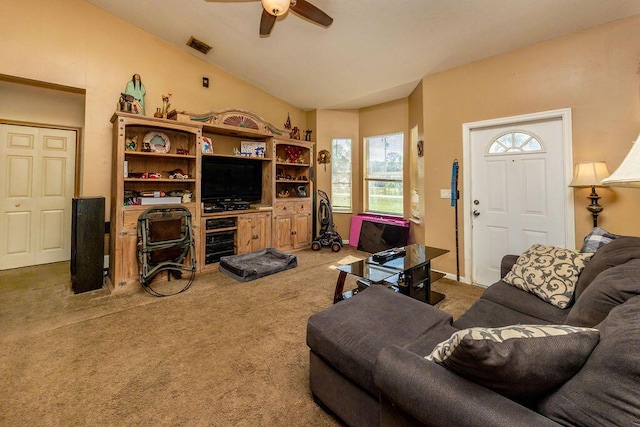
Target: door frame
564, 115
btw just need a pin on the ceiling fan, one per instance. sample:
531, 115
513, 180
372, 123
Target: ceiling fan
274, 8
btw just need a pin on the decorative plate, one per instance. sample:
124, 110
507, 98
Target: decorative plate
158, 142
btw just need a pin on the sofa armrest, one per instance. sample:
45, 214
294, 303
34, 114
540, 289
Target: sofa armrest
507, 263
437, 397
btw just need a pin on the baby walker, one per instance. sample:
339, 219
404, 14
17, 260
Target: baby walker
328, 236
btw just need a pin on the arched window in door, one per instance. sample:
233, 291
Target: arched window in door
515, 143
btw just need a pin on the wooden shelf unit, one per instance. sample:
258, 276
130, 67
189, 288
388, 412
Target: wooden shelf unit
293, 194
123, 262
283, 223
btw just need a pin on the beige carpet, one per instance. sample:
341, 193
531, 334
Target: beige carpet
222, 353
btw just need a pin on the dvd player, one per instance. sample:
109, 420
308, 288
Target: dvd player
226, 205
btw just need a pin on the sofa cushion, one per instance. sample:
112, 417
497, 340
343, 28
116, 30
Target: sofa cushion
350, 334
489, 314
548, 272
596, 239
524, 302
611, 288
522, 362
617, 252
605, 390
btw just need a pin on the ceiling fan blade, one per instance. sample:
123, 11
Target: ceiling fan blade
309, 11
267, 21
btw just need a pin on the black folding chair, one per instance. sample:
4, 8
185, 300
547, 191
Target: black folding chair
165, 243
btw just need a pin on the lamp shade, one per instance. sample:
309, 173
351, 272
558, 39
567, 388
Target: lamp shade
589, 174
276, 7
628, 173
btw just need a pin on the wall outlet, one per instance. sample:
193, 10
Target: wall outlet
445, 193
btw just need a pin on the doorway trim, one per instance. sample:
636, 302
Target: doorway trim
564, 115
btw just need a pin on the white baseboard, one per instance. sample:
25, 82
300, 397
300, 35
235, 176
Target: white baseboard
453, 277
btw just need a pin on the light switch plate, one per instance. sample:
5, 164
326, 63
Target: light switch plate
445, 193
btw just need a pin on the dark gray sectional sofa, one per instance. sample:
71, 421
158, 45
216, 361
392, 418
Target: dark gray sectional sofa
368, 366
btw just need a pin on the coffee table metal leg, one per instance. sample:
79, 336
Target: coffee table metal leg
337, 295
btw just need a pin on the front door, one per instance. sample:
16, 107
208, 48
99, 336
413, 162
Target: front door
518, 191
36, 191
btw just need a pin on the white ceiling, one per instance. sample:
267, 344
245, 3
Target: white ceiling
375, 51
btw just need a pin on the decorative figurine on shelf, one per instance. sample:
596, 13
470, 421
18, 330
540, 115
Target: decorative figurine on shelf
293, 153
207, 145
287, 124
130, 144
295, 133
307, 135
135, 89
146, 147
177, 174
165, 104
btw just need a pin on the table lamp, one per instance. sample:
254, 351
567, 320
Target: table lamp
628, 173
591, 175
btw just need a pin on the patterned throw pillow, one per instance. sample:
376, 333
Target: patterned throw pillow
522, 362
548, 272
597, 238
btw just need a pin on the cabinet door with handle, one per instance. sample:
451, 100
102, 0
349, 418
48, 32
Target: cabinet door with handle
260, 232
302, 230
244, 236
283, 228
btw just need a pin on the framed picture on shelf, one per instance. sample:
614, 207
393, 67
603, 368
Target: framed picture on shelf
207, 145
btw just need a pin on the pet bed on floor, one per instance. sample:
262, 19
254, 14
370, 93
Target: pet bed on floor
257, 264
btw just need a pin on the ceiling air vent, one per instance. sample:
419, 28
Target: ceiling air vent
198, 45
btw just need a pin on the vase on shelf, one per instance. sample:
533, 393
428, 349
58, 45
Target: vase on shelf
158, 113
165, 108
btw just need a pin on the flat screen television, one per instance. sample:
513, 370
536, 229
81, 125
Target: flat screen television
378, 236
231, 178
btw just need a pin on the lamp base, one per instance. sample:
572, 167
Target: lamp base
594, 207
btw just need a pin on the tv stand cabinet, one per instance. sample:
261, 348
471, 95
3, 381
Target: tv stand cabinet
233, 233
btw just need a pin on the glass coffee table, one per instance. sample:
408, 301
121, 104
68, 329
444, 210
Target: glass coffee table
406, 270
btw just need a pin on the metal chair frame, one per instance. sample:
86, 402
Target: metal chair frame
155, 252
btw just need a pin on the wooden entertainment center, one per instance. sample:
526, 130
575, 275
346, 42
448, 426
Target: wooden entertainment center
155, 156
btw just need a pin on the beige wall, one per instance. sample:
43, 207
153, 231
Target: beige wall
340, 124
73, 43
416, 118
594, 72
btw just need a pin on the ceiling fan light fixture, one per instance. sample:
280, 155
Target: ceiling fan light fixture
276, 7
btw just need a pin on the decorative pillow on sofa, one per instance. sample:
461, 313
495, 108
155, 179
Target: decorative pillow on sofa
609, 289
621, 250
522, 362
597, 238
548, 272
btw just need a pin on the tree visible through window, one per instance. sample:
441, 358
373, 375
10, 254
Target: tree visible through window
384, 173
341, 171
515, 142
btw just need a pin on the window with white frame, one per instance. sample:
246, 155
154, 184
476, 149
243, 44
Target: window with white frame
383, 174
341, 174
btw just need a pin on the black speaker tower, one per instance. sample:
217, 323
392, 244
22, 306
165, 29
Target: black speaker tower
87, 244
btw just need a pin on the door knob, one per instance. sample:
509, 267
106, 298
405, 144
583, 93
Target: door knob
476, 213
